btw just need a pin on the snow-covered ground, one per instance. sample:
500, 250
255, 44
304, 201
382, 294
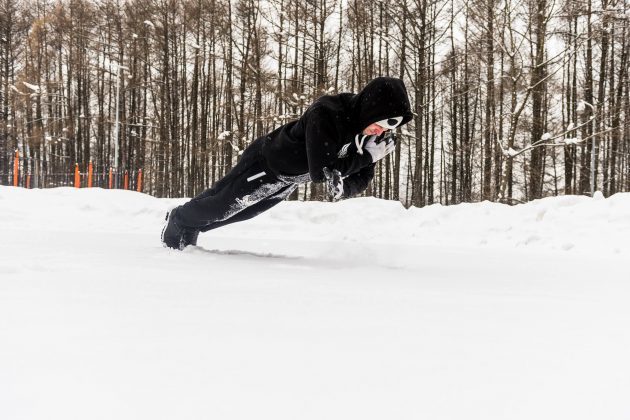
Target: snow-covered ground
352, 310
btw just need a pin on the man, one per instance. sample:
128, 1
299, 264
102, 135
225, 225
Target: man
337, 140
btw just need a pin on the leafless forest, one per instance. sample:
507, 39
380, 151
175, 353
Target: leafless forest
513, 100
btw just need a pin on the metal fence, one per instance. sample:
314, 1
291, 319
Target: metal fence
106, 178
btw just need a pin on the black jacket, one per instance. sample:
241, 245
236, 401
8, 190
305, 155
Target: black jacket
324, 135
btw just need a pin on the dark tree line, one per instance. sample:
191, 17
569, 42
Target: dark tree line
513, 100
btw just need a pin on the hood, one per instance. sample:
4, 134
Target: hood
383, 97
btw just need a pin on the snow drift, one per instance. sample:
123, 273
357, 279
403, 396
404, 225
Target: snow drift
358, 309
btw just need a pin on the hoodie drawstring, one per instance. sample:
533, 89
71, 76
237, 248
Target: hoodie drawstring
359, 143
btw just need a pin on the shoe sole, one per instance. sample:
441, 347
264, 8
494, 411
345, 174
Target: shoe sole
168, 213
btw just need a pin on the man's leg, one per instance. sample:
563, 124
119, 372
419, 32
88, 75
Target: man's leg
249, 183
243, 191
178, 236
255, 209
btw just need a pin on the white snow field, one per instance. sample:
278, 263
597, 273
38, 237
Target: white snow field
352, 310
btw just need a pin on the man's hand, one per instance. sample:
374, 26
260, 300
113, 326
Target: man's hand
378, 150
334, 184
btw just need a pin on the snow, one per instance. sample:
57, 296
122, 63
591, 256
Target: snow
357, 309
223, 135
511, 152
32, 87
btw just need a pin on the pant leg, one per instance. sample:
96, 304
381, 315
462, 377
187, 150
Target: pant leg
255, 209
247, 184
249, 158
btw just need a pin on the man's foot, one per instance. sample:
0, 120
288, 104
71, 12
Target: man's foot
176, 236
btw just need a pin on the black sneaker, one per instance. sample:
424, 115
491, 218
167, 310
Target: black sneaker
176, 236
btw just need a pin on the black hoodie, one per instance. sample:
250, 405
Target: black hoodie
324, 135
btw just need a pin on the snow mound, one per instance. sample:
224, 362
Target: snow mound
574, 224
360, 309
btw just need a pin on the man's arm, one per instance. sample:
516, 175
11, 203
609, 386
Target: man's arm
321, 147
350, 160
358, 182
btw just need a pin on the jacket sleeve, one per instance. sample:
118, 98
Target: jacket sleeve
322, 135
358, 182
353, 161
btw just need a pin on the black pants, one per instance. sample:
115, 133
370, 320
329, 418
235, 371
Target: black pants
249, 189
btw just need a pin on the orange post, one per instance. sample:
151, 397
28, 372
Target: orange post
28, 181
77, 176
90, 174
126, 179
139, 184
111, 178
16, 168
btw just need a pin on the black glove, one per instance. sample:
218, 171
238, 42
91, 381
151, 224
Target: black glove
334, 184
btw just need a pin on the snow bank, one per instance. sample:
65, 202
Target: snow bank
573, 224
352, 310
